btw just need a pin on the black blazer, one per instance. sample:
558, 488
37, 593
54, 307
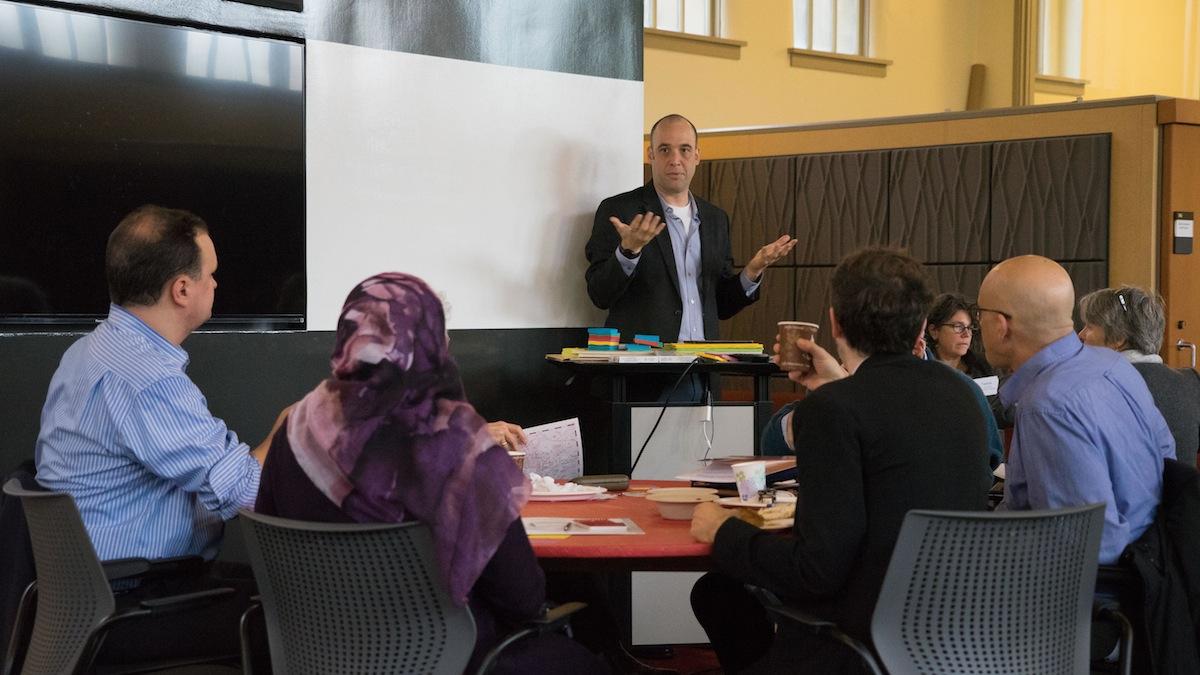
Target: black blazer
649, 301
899, 434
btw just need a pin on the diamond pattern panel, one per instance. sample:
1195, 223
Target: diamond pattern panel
1050, 197
964, 279
812, 301
757, 322
939, 202
1087, 277
759, 196
841, 204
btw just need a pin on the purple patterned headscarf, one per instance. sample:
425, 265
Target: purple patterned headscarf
390, 436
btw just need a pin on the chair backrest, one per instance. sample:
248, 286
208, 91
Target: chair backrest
74, 597
998, 592
355, 598
16, 555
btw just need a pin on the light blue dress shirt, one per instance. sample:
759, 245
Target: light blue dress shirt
685, 245
129, 436
1086, 431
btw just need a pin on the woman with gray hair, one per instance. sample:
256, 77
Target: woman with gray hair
1131, 321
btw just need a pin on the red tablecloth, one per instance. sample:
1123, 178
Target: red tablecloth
666, 544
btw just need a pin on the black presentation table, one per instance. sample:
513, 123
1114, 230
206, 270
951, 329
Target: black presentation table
620, 374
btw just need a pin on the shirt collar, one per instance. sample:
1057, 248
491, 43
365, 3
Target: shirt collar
124, 320
1059, 350
670, 210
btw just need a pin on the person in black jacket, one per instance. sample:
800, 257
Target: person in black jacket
880, 434
659, 258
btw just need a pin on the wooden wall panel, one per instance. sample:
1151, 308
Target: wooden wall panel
760, 197
939, 202
1050, 197
841, 204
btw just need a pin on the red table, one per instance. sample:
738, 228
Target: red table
667, 545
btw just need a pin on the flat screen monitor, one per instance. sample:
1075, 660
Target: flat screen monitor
101, 114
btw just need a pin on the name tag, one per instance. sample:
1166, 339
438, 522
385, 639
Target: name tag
989, 385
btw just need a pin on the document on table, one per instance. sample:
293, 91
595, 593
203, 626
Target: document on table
990, 385
555, 449
560, 527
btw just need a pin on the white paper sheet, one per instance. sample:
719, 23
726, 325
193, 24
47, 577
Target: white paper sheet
555, 449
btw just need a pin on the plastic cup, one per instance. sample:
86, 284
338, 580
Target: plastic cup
751, 478
790, 356
519, 458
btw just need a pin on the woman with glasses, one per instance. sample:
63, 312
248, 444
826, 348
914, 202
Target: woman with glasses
950, 332
1131, 321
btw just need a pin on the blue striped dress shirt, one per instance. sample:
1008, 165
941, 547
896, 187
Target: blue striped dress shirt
129, 436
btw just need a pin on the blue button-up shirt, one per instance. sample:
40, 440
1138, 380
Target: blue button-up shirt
1086, 431
129, 436
685, 245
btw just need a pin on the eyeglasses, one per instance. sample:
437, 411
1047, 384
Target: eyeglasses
961, 329
977, 310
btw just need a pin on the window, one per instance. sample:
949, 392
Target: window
1060, 38
835, 26
696, 17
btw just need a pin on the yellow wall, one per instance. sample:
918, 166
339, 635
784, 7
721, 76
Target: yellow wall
1130, 48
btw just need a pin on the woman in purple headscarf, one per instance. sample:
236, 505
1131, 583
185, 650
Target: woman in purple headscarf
390, 437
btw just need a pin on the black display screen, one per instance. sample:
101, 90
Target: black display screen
99, 115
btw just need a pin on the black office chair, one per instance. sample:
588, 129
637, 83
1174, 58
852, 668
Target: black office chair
72, 603
355, 598
979, 592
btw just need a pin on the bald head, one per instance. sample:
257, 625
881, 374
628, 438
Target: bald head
1037, 293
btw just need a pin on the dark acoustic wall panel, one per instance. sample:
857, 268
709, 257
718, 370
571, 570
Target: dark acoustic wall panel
701, 183
841, 204
760, 197
939, 202
963, 279
812, 301
1086, 277
757, 322
1050, 197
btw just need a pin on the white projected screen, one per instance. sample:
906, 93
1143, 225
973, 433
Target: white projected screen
481, 179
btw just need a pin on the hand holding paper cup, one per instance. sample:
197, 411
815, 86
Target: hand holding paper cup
751, 478
792, 357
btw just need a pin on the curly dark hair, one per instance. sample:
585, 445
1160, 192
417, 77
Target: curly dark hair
880, 297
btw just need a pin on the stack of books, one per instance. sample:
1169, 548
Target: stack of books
604, 339
718, 473
714, 347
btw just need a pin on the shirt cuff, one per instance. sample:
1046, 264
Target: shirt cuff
750, 286
627, 264
235, 481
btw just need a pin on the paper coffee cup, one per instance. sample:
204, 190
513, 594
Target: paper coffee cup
751, 478
790, 356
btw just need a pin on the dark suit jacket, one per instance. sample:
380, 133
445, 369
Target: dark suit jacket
649, 301
899, 434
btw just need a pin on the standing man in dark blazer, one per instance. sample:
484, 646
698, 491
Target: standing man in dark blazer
659, 259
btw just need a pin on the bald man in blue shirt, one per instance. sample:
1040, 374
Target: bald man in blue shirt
1086, 429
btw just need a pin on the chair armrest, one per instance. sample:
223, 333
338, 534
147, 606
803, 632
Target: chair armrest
551, 620
127, 568
185, 600
555, 618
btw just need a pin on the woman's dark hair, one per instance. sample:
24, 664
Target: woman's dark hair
880, 296
149, 247
945, 306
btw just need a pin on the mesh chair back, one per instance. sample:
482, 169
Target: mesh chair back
355, 598
74, 597
1002, 592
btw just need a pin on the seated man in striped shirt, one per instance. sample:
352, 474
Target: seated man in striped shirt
124, 430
